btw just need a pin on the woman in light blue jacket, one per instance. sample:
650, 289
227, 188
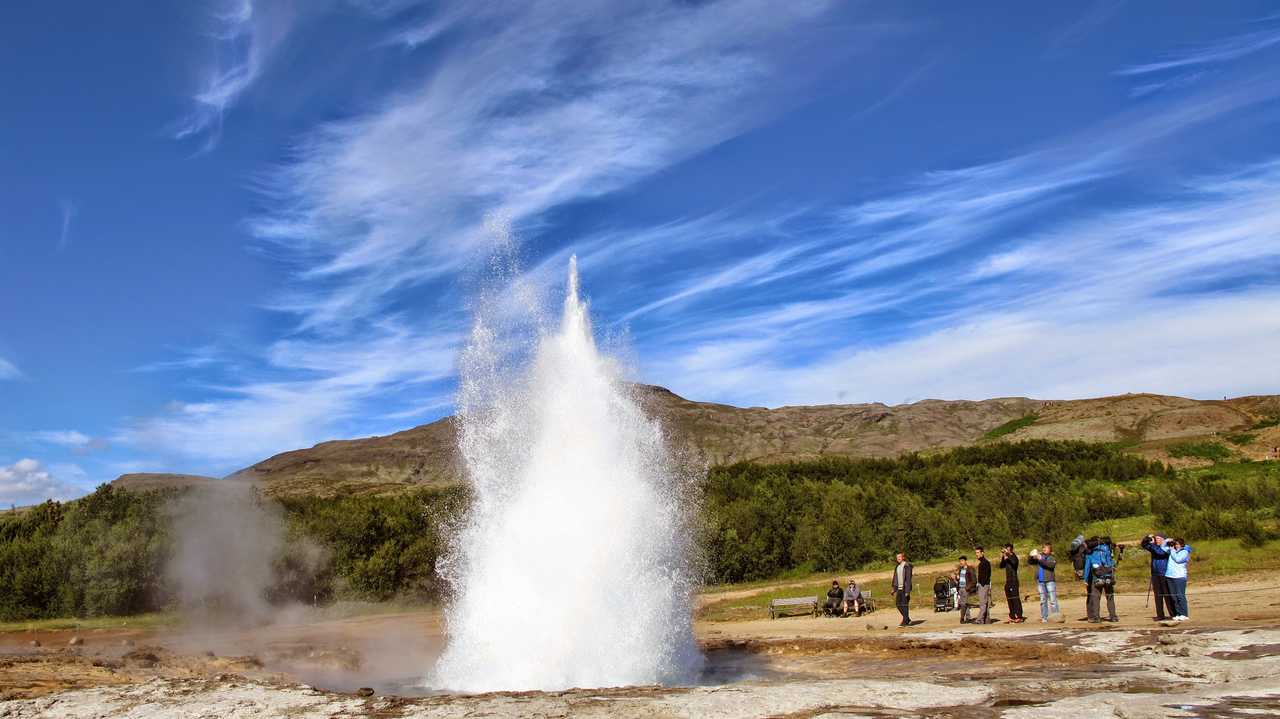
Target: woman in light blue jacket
1175, 573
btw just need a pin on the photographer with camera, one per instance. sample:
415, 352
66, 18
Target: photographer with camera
1155, 545
1046, 581
1100, 577
1012, 592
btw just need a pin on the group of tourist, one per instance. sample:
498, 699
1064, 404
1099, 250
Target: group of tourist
1169, 559
845, 601
1094, 561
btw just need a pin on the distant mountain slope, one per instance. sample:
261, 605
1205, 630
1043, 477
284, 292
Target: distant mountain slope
719, 434
144, 481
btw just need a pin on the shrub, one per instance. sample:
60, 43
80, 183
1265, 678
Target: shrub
1201, 450
1011, 426
1240, 439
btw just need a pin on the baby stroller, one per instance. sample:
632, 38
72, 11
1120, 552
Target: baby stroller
944, 594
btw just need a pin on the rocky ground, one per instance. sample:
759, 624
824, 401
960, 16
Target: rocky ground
1225, 663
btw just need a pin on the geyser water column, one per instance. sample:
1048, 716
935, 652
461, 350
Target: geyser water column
573, 568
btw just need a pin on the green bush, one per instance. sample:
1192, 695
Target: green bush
1201, 450
1240, 439
837, 513
1011, 426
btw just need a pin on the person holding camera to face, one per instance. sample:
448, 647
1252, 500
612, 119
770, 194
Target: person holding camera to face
1046, 580
1009, 563
1155, 545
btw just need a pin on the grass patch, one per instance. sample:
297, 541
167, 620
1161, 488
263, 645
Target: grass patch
1265, 423
1211, 451
1011, 426
154, 620
1240, 439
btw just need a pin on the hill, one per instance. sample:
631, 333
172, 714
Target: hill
146, 481
718, 434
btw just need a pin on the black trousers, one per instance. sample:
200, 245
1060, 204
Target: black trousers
1013, 597
903, 600
1165, 607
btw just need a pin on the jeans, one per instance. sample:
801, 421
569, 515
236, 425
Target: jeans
962, 599
1048, 598
903, 600
1178, 589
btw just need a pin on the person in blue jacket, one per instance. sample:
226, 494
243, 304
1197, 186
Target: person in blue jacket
1154, 543
1099, 577
1175, 575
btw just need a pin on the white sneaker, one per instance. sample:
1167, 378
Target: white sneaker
1179, 618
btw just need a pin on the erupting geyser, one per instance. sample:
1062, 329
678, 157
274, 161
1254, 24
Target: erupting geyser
573, 569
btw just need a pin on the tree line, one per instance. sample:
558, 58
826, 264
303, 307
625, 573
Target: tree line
105, 554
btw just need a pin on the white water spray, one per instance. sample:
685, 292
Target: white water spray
573, 569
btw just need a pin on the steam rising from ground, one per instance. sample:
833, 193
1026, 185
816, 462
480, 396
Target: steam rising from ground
229, 544
573, 569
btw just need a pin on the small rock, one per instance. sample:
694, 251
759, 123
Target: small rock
35, 642
364, 691
76, 641
1167, 639
871, 627
126, 642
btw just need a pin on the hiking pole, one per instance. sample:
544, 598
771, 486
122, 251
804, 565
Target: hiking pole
1150, 584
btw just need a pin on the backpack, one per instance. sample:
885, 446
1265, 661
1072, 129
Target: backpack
1103, 576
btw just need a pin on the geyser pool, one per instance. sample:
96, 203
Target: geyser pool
573, 568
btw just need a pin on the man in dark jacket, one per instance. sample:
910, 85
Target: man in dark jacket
835, 597
984, 587
902, 588
1154, 543
1012, 592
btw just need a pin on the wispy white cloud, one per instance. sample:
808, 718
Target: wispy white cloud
63, 437
244, 35
540, 104
1232, 48
1166, 295
69, 212
8, 370
199, 357
75, 440
324, 384
27, 481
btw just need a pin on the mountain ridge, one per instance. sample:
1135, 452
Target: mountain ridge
713, 434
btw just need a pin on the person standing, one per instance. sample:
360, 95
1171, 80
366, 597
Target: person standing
1100, 578
1046, 581
984, 587
1012, 592
1154, 544
1175, 574
902, 588
965, 584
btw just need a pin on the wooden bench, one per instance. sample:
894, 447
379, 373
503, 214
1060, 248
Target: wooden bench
778, 606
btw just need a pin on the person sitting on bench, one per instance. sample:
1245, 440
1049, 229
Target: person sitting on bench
835, 598
853, 599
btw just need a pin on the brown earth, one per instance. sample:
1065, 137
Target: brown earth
146, 481
309, 666
719, 434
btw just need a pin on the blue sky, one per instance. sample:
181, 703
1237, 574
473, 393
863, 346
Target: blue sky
236, 228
